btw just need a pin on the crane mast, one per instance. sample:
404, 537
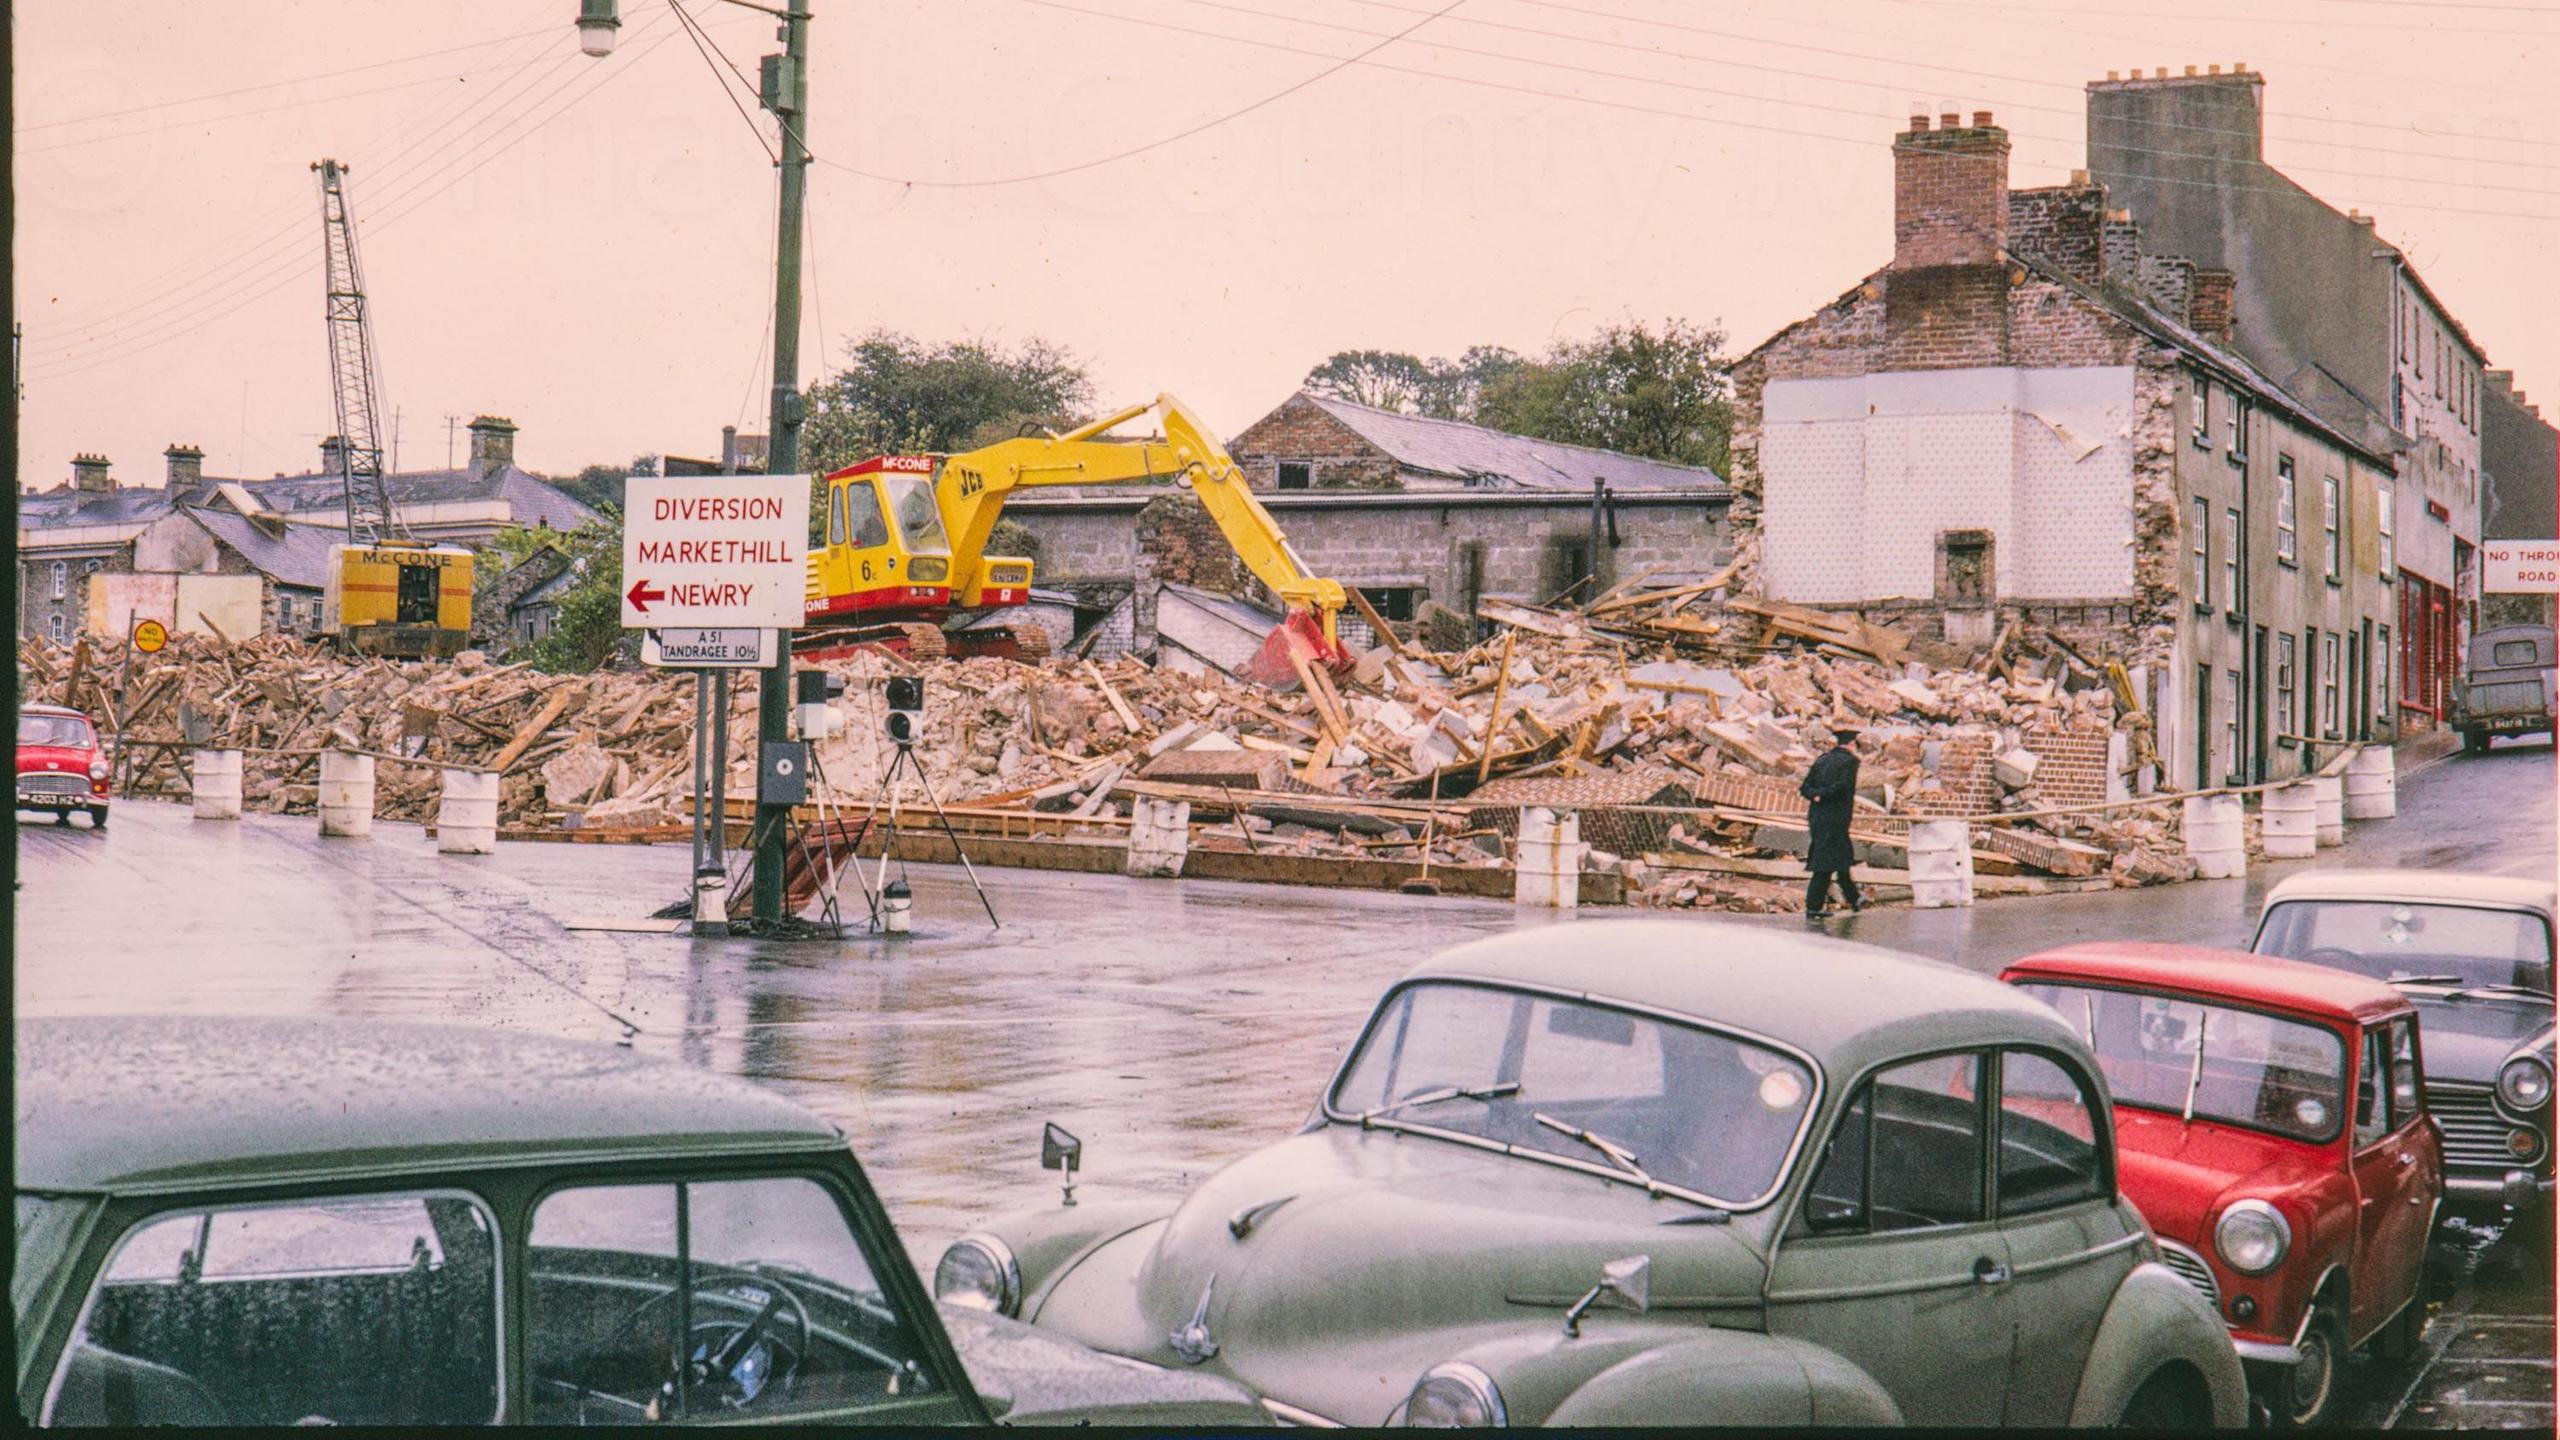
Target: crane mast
352, 367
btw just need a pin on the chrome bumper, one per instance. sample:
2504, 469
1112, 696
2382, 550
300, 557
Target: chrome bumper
2266, 1352
2515, 1187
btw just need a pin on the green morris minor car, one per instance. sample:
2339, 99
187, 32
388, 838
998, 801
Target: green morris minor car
257, 1223
1658, 1173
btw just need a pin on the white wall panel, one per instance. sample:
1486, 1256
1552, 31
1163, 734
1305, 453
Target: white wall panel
1862, 473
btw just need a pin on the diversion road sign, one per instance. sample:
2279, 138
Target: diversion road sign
715, 552
709, 649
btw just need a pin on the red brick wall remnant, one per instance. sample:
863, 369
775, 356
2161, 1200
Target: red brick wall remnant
1300, 430
2071, 762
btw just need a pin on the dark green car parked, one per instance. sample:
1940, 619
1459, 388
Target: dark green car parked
267, 1222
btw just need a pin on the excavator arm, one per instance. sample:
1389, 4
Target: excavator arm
974, 487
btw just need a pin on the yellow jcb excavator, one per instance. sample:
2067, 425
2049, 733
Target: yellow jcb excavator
905, 547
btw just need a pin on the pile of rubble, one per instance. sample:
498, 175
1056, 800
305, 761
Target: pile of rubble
1677, 729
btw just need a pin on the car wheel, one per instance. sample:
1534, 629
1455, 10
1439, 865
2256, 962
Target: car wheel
2164, 1404
61, 817
97, 817
2311, 1390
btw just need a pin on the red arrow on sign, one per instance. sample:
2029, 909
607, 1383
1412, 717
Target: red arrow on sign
642, 592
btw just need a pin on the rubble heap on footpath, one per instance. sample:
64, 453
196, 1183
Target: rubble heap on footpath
1676, 729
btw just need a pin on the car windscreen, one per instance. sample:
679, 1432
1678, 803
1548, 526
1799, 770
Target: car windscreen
2396, 940
2241, 1067
69, 731
919, 514
1707, 1113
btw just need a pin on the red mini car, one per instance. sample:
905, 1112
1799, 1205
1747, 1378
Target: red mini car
2269, 1126
60, 767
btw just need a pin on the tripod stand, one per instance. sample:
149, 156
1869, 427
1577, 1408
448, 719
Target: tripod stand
874, 889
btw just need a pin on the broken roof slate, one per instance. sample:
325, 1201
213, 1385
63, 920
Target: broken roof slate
298, 557
1473, 452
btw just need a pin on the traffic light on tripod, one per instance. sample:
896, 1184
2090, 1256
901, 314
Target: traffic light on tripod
906, 708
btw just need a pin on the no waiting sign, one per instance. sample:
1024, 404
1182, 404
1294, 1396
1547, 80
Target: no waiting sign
715, 551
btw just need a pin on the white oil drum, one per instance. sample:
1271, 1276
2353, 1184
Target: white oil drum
467, 813
346, 793
217, 783
2291, 822
1941, 864
2373, 785
2212, 825
2329, 799
1548, 870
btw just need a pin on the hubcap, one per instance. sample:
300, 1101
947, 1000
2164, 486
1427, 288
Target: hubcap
2313, 1375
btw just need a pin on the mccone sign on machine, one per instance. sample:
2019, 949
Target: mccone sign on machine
715, 551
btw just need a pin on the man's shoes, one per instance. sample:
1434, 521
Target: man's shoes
1816, 914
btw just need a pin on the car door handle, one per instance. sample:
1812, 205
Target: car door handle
2407, 1159
1990, 1271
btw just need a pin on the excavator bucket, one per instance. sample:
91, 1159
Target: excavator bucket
1298, 637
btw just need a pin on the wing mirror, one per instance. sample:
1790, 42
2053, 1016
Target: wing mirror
1061, 1152
1625, 1284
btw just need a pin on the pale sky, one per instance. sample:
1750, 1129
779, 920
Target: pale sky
584, 244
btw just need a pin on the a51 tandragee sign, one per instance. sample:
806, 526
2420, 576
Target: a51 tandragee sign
715, 551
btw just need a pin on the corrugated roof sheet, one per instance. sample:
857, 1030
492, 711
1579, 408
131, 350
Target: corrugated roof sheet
1463, 451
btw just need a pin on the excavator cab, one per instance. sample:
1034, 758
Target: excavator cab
885, 551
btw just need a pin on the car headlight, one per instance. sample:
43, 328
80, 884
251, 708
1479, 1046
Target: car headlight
2524, 1083
2252, 1237
978, 1273
98, 771
1455, 1396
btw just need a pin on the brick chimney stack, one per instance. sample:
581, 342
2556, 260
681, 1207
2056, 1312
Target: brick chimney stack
89, 474
186, 467
2209, 304
493, 444
1950, 193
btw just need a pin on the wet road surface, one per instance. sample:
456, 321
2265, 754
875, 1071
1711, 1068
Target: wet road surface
1173, 1025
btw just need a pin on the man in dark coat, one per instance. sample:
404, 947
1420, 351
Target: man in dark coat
1832, 786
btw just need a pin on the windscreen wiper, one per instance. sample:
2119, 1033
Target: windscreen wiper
1434, 1097
1620, 1155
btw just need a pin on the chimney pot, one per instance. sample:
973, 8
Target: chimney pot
2079, 178
2239, 67
2213, 69
1951, 121
1919, 124
2191, 72
1981, 119
2160, 72
2111, 75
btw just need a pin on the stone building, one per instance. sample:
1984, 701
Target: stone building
2334, 313
1409, 511
2026, 415
2520, 456
290, 560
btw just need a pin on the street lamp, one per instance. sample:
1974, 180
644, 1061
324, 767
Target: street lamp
786, 93
596, 24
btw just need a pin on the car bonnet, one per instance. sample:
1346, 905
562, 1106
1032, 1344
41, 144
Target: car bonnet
1367, 1257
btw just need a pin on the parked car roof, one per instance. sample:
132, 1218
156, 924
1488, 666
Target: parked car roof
2422, 887
1844, 1003
53, 710
141, 1103
2237, 975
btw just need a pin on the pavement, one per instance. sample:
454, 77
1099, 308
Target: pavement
1173, 1025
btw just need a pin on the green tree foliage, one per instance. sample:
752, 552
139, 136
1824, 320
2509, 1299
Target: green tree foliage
1661, 393
597, 486
589, 634
897, 394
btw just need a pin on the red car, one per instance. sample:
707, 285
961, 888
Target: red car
2269, 1125
60, 767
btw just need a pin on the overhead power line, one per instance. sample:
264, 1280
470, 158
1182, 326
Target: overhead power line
198, 318
2230, 17
1902, 62
331, 73
204, 120
1365, 57
1177, 137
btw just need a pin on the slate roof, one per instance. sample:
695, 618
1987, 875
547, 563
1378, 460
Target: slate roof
298, 557
530, 500
1466, 452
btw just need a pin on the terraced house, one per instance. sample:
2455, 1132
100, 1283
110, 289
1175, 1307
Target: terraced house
2030, 413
